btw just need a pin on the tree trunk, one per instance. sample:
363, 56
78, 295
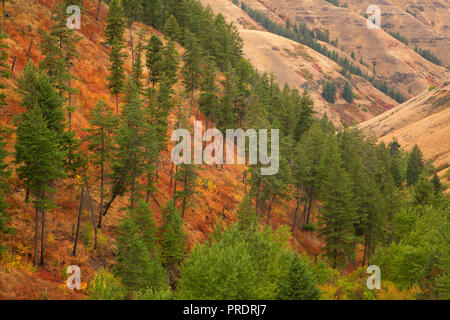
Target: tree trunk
98, 9
171, 176
133, 182
117, 104
185, 195
295, 213
91, 207
3, 8
80, 211
101, 180
175, 187
309, 210
36, 234
270, 208
42, 237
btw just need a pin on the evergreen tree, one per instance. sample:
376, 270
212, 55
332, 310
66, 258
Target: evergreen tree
135, 267
100, 137
329, 92
423, 190
191, 68
153, 59
208, 88
415, 166
299, 282
337, 214
40, 162
248, 220
173, 238
4, 175
437, 185
4, 68
348, 92
115, 26
172, 29
169, 64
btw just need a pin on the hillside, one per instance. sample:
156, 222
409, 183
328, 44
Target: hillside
423, 120
96, 185
221, 189
379, 49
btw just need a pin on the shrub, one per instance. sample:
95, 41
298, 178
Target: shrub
105, 287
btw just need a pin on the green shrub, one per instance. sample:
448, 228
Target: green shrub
105, 287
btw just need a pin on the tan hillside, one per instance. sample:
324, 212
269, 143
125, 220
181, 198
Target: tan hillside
303, 68
423, 120
393, 61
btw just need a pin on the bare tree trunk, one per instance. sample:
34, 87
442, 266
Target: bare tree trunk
98, 9
175, 187
171, 175
80, 211
309, 209
42, 237
117, 103
101, 181
270, 208
185, 195
91, 207
3, 9
29, 51
295, 214
13, 65
36, 234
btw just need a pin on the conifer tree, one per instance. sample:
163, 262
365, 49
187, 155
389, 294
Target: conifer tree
169, 64
4, 175
348, 92
4, 68
100, 137
153, 59
115, 26
40, 162
423, 190
173, 238
437, 185
191, 68
208, 88
248, 220
415, 166
172, 29
299, 282
337, 214
135, 267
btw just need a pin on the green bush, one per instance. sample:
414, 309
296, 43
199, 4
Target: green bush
243, 265
105, 287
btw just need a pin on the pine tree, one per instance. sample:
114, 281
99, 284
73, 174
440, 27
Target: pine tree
173, 238
115, 26
153, 59
337, 214
415, 166
191, 68
299, 283
348, 92
172, 29
138, 71
423, 190
4, 68
135, 267
100, 137
4, 175
40, 162
437, 185
208, 88
169, 64
248, 220
36, 89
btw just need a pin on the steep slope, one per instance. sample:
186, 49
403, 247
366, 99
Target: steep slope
219, 190
392, 60
303, 68
423, 120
